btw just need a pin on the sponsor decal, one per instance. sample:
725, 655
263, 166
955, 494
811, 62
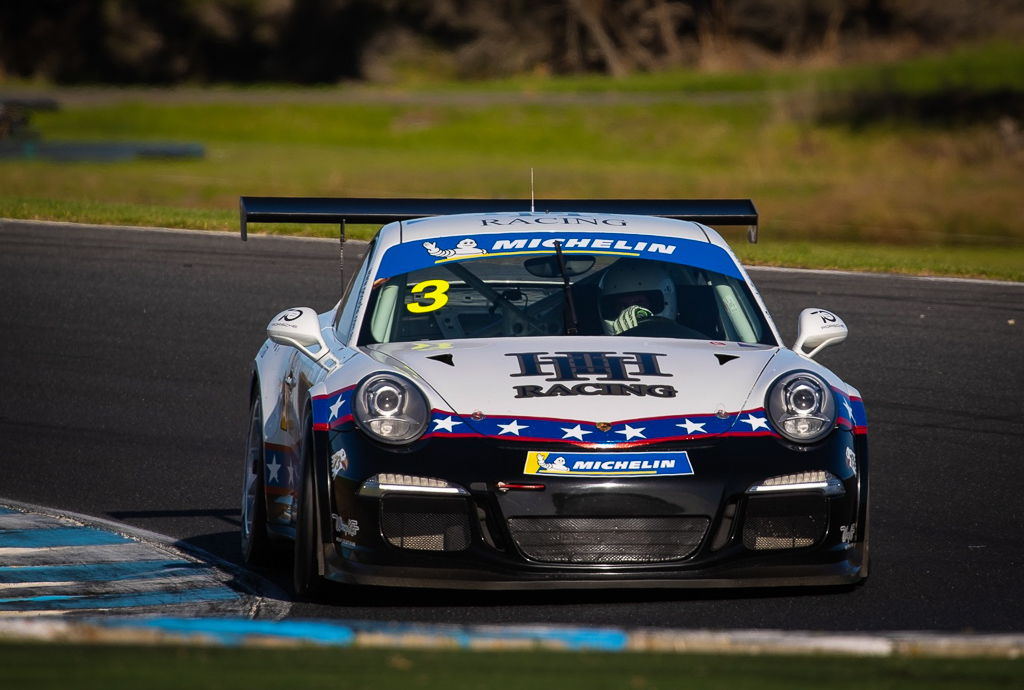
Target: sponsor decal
339, 463
464, 247
669, 463
829, 321
851, 460
558, 219
569, 231
849, 533
349, 528
590, 373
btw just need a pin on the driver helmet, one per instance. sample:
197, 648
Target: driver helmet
631, 282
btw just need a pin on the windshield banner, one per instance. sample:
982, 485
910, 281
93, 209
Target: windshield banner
411, 256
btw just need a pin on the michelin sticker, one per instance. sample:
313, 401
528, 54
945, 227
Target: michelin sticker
409, 256
670, 463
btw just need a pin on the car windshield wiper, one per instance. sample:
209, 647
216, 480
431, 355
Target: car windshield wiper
571, 326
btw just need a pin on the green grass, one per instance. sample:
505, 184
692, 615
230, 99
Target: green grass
888, 197
103, 667
993, 263
997, 64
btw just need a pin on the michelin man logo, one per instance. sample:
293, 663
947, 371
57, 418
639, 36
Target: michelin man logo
556, 465
465, 247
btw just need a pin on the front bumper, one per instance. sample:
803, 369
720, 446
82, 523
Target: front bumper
700, 530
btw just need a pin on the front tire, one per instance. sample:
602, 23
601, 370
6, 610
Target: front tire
255, 542
864, 515
306, 580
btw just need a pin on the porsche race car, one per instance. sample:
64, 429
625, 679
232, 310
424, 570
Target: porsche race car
584, 394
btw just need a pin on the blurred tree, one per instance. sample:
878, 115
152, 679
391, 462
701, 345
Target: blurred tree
323, 41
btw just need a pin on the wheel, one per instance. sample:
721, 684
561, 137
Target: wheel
864, 516
865, 547
255, 542
306, 580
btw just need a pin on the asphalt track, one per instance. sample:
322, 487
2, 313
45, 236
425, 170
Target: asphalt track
123, 372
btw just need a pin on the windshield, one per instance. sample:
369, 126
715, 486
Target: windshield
527, 294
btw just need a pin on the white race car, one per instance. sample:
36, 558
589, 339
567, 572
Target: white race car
589, 394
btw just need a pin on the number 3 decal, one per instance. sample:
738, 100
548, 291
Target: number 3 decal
433, 290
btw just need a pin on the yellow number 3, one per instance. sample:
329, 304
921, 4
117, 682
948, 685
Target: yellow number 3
433, 290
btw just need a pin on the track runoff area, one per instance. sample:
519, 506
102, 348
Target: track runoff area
72, 578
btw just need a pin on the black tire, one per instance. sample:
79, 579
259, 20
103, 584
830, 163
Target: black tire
864, 517
306, 580
255, 542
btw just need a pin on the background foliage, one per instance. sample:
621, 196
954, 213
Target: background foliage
324, 41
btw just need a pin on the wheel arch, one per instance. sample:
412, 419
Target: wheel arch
320, 469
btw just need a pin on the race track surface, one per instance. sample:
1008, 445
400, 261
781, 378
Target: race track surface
124, 367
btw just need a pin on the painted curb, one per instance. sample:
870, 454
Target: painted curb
264, 599
227, 632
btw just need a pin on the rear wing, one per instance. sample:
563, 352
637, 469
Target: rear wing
270, 209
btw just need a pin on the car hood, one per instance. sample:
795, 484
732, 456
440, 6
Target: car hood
589, 380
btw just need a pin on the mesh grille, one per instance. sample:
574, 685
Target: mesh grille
608, 540
778, 523
425, 524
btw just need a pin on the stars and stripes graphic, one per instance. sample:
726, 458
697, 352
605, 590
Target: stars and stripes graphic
334, 410
621, 434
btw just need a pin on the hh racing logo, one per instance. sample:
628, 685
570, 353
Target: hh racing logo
591, 373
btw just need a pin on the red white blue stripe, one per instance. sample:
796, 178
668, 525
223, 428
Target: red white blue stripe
334, 410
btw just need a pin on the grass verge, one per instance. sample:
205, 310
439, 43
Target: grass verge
101, 667
889, 196
987, 262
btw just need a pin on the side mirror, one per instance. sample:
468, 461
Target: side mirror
817, 329
300, 328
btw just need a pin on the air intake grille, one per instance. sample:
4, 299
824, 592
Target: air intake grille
784, 523
607, 540
425, 524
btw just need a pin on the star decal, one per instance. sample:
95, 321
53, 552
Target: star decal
512, 427
756, 422
849, 410
336, 406
446, 424
575, 432
630, 432
274, 468
291, 474
693, 427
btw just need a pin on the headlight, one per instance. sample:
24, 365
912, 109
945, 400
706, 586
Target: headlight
815, 480
390, 409
801, 407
